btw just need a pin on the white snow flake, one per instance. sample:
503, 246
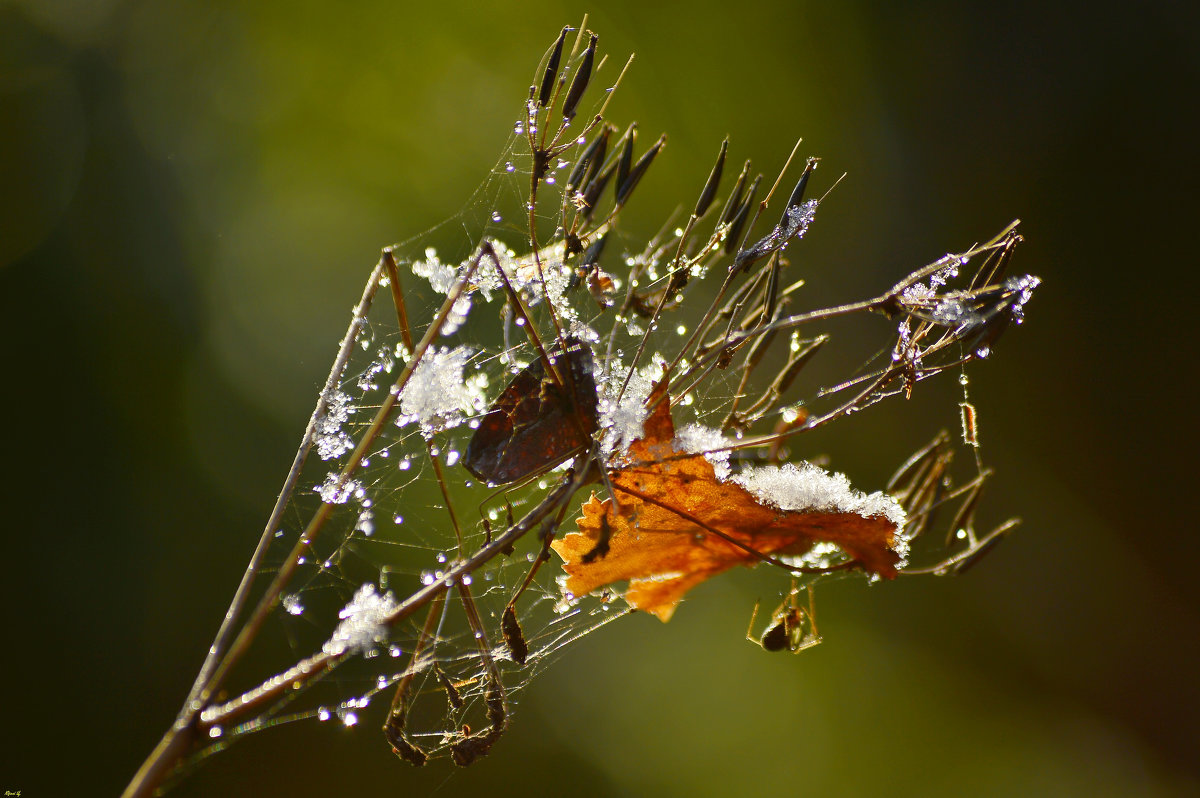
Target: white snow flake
362, 626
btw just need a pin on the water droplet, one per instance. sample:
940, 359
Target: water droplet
397, 519
550, 180
349, 719
394, 651
681, 330
441, 556
405, 464
427, 578
215, 731
451, 457
508, 167
322, 714
466, 580
496, 217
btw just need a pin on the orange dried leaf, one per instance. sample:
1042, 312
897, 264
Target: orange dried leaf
678, 525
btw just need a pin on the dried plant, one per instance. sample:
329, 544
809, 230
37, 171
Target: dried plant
665, 381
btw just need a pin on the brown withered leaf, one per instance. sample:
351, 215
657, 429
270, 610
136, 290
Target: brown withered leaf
678, 525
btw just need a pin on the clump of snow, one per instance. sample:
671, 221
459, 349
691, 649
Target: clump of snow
335, 491
807, 487
699, 439
442, 277
363, 623
436, 395
331, 439
623, 415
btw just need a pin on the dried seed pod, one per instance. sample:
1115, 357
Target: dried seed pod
801, 184
714, 180
590, 160
734, 203
625, 188
739, 220
580, 83
552, 69
595, 187
625, 162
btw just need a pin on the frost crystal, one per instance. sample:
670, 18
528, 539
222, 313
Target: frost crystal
699, 439
800, 217
436, 395
334, 491
1023, 287
624, 421
292, 604
331, 440
362, 626
807, 487
442, 277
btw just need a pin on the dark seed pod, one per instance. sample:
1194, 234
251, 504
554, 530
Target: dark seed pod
592, 155
714, 181
734, 203
580, 83
772, 300
625, 188
739, 218
625, 162
552, 69
593, 190
798, 192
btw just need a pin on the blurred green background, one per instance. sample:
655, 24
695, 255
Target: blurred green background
193, 191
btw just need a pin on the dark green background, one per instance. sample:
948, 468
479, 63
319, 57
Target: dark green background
191, 194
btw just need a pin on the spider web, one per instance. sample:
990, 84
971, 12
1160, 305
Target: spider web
408, 511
